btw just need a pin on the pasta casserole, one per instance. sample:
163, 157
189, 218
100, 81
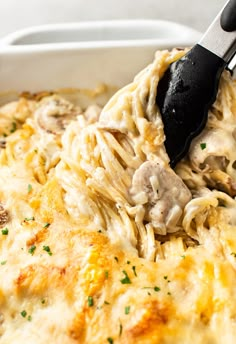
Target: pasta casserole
100, 240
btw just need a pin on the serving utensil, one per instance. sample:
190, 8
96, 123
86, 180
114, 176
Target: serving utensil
189, 86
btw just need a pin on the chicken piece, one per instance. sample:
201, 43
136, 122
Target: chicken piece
55, 113
211, 150
221, 181
213, 154
163, 194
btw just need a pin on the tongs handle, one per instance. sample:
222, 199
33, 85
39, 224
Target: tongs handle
220, 38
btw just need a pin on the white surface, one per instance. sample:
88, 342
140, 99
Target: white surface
18, 14
85, 65
99, 33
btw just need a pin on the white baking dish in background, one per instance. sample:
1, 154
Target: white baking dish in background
83, 55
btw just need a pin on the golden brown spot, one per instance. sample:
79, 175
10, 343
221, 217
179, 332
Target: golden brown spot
204, 317
51, 201
36, 96
149, 318
38, 237
76, 329
36, 279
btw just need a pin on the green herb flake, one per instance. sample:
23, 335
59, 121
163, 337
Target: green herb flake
203, 145
121, 330
134, 270
26, 219
29, 318
127, 309
99, 231
23, 313
168, 293
32, 249
3, 262
30, 188
90, 301
149, 293
43, 301
157, 289
13, 127
126, 279
183, 256
46, 225
5, 231
106, 303
110, 340
106, 273
48, 250
233, 254
116, 259
128, 262
165, 277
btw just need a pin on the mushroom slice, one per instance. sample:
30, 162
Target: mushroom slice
55, 113
162, 193
4, 216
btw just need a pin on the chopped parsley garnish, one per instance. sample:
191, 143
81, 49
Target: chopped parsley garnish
29, 318
121, 329
157, 289
134, 270
233, 254
127, 309
126, 279
116, 259
106, 303
165, 277
128, 262
3, 262
47, 249
106, 274
29, 188
5, 231
99, 231
29, 218
23, 313
90, 301
43, 301
13, 127
168, 293
46, 225
203, 145
32, 249
183, 256
110, 340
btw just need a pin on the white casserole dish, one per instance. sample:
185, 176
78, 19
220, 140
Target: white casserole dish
85, 54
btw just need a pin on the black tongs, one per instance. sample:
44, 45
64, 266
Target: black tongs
189, 86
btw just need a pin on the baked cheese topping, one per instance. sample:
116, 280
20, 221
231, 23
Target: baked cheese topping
100, 240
